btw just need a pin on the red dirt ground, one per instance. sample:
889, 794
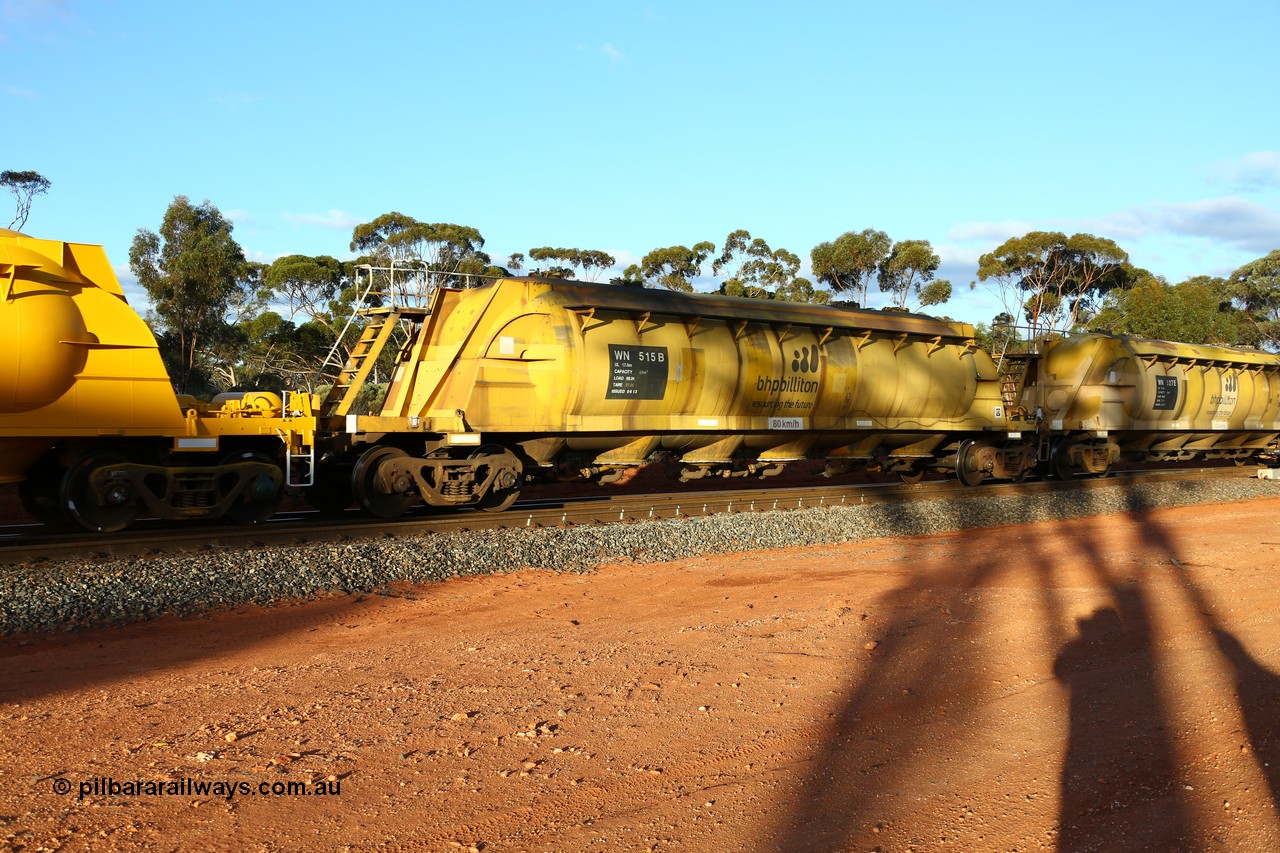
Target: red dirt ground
1101, 684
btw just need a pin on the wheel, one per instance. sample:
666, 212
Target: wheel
80, 500
966, 471
497, 501
40, 493
506, 487
915, 475
374, 496
262, 495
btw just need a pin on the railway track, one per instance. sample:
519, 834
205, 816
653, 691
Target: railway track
33, 543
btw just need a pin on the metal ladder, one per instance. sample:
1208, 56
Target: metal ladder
364, 355
306, 460
1012, 371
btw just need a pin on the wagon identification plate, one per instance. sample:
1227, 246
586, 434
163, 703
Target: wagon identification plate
636, 373
1166, 393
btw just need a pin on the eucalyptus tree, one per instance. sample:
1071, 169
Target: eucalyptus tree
445, 249
848, 263
1052, 280
753, 269
1256, 288
24, 186
672, 267
592, 262
1197, 311
318, 299
316, 287
194, 271
908, 270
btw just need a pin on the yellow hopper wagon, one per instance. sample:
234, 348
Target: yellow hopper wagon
90, 427
540, 378
1099, 398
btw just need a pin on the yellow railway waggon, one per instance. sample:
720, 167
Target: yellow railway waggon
528, 379
1100, 398
90, 426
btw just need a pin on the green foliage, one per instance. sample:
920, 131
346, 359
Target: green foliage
194, 272
307, 284
909, 268
1197, 311
322, 293
847, 264
673, 267
450, 252
1055, 281
802, 290
632, 276
24, 186
591, 261
998, 338
754, 270
935, 292
1256, 288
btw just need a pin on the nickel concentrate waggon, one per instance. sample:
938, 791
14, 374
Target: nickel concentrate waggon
527, 379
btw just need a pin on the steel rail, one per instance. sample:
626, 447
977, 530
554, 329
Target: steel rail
36, 544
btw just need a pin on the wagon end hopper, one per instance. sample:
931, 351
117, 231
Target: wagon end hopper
78, 361
592, 379
90, 426
1153, 400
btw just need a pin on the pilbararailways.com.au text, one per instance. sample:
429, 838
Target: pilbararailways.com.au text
108, 786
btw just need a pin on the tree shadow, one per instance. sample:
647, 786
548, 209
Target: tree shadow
921, 716
1257, 689
1258, 692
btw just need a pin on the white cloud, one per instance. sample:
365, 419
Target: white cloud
238, 216
958, 255
622, 259
1255, 170
612, 52
261, 257
37, 21
339, 220
135, 293
19, 92
1236, 222
235, 101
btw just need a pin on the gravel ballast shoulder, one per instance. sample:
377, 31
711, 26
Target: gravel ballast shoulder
60, 596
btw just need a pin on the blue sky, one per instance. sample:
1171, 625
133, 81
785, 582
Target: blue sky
625, 127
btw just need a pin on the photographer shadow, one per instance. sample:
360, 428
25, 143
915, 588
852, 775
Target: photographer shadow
1119, 778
